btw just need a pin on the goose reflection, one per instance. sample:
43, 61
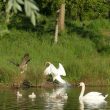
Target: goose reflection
92, 106
56, 99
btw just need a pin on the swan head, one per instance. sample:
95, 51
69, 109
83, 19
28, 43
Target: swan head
18, 92
81, 84
33, 93
47, 63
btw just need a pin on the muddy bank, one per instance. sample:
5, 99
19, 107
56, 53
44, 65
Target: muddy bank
48, 84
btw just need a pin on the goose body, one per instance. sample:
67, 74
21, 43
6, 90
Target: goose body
91, 97
33, 95
23, 65
56, 72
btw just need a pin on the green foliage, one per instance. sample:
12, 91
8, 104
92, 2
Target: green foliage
31, 10
49, 7
1, 5
77, 50
14, 5
98, 31
40, 50
3, 30
76, 9
102, 39
87, 9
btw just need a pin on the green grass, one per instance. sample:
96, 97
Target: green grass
78, 54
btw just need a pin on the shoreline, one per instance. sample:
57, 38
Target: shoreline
48, 85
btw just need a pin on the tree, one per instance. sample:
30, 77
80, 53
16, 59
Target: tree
30, 9
62, 17
60, 20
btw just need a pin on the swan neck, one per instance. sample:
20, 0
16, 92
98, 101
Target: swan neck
82, 92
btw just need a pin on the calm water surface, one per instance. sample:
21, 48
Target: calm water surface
47, 99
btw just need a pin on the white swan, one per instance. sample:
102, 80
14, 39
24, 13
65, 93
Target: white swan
91, 97
92, 106
32, 96
19, 94
56, 72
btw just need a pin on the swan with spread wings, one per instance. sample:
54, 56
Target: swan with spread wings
55, 72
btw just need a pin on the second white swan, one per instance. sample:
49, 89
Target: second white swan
91, 97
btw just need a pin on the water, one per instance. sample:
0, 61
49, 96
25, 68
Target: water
46, 99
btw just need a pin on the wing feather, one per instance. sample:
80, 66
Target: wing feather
51, 69
47, 71
25, 59
61, 70
54, 70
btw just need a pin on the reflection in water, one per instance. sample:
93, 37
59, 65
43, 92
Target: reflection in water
56, 99
49, 99
32, 96
18, 99
81, 105
32, 99
19, 96
93, 105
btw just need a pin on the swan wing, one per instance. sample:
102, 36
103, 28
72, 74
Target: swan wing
61, 70
47, 71
90, 94
51, 69
94, 96
54, 70
60, 80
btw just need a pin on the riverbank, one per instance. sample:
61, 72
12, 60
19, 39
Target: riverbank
83, 50
51, 85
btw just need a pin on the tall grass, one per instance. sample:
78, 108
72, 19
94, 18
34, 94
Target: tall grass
78, 54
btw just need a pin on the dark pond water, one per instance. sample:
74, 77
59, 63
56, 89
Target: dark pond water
46, 99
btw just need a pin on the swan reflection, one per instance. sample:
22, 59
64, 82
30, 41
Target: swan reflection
56, 99
92, 105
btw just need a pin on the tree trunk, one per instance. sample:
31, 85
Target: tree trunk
62, 17
60, 21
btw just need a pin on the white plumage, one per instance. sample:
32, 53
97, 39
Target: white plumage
91, 97
59, 93
92, 106
19, 94
33, 95
56, 72
55, 99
